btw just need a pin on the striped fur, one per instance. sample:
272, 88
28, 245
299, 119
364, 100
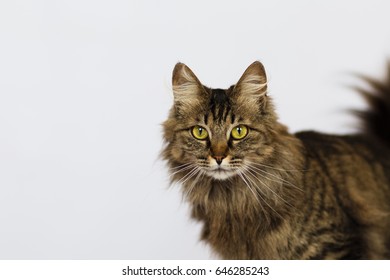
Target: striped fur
275, 195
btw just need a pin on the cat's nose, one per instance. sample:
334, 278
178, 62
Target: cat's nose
218, 159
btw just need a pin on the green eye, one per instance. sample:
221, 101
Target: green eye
199, 132
239, 132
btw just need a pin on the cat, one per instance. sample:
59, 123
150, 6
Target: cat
264, 193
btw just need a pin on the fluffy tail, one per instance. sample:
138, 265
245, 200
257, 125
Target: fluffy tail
376, 119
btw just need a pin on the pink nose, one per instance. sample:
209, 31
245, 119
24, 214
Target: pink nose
219, 159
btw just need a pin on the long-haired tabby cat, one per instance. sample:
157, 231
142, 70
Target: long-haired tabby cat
264, 193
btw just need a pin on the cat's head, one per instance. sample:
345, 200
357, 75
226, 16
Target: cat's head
219, 132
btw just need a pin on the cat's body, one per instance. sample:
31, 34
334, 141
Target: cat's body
263, 193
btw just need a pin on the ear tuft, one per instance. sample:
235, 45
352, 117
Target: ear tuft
253, 82
187, 89
182, 74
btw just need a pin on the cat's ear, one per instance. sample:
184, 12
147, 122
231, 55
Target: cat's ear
253, 83
187, 89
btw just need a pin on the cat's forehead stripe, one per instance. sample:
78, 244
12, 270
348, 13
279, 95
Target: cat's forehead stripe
206, 118
219, 104
232, 118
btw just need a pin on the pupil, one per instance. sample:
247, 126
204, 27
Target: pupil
239, 130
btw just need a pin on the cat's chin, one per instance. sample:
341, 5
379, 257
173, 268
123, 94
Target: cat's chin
221, 174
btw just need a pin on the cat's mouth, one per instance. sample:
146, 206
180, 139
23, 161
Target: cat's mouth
220, 173
226, 169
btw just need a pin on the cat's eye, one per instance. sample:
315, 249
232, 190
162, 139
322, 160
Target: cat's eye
239, 132
199, 132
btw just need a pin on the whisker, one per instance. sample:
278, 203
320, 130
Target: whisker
189, 175
241, 174
273, 167
186, 175
193, 185
273, 175
183, 169
253, 173
266, 201
180, 166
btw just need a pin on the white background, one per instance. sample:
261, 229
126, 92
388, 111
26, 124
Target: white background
85, 85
